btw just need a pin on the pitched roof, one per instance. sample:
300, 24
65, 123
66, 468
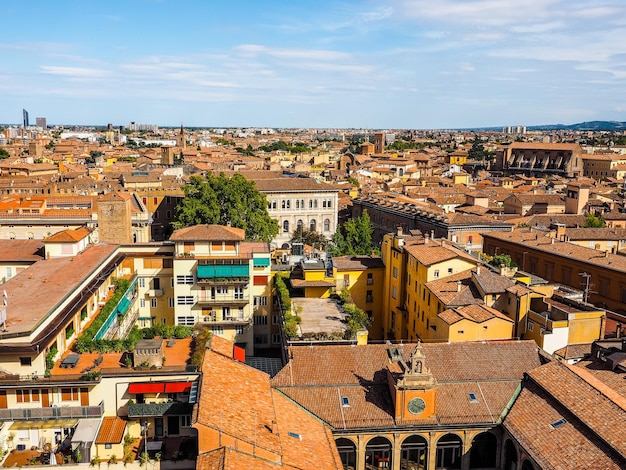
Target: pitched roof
434, 252
360, 374
237, 400
357, 263
69, 236
209, 232
111, 431
591, 435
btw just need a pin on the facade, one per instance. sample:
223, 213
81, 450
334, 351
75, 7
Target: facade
302, 202
540, 159
221, 280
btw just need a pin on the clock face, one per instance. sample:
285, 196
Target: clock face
416, 406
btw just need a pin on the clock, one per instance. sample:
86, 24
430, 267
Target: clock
416, 406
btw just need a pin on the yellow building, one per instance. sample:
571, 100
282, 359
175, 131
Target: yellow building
554, 324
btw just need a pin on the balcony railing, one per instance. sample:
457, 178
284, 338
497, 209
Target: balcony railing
222, 299
140, 410
51, 412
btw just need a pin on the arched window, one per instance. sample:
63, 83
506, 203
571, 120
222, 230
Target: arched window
347, 452
286, 226
378, 453
299, 223
484, 450
326, 225
415, 452
449, 449
313, 225
510, 456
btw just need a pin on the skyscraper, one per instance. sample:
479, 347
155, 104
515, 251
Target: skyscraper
41, 122
25, 114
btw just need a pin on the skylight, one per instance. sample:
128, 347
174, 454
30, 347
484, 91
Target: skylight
295, 435
558, 423
472, 397
345, 401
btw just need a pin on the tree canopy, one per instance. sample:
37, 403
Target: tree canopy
355, 237
594, 221
309, 237
223, 200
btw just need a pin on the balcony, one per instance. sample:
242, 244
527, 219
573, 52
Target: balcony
51, 412
222, 300
142, 410
155, 293
226, 320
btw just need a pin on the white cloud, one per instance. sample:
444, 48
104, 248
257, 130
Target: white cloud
74, 72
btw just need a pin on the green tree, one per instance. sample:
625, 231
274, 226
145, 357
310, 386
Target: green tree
309, 237
222, 200
594, 221
355, 237
3, 154
477, 152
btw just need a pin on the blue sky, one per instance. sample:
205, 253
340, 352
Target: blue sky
373, 64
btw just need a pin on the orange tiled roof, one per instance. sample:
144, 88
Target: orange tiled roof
211, 232
111, 431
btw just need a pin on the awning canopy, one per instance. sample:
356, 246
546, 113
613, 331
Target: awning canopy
44, 424
86, 430
226, 270
159, 387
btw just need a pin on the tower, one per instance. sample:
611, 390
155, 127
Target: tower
181, 140
379, 142
414, 385
114, 218
25, 116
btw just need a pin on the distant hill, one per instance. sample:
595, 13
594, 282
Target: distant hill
582, 126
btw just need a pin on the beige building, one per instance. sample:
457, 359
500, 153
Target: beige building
222, 281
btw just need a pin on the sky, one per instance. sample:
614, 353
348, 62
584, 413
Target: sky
397, 64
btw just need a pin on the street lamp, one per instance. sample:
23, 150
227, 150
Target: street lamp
145, 442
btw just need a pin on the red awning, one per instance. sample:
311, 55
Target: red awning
151, 387
177, 387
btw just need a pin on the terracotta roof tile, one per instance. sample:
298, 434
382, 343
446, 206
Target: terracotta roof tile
111, 431
208, 232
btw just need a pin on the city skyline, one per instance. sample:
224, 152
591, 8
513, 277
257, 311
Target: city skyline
358, 64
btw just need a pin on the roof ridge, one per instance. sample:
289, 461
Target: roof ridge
600, 386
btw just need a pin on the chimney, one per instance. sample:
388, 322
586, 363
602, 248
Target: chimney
552, 241
606, 254
478, 270
432, 234
274, 427
458, 286
399, 230
443, 242
426, 239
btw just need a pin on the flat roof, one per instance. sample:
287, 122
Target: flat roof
319, 316
34, 292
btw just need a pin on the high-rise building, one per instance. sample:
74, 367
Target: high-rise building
25, 116
41, 122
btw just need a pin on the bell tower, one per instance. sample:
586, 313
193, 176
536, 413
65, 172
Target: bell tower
414, 388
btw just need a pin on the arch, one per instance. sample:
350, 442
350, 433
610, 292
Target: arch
414, 453
484, 450
449, 450
347, 452
313, 225
286, 226
299, 223
510, 455
378, 453
11, 235
326, 225
527, 465
30, 235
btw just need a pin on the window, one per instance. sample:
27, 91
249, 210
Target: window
25, 361
22, 396
187, 321
260, 320
221, 290
369, 297
69, 394
472, 398
153, 303
558, 423
274, 319
393, 292
313, 225
184, 279
395, 272
260, 301
286, 226
225, 313
326, 225
142, 303
184, 300
171, 302
9, 272
185, 421
238, 293
108, 446
260, 339
345, 401
531, 326
142, 282
436, 274
217, 330
450, 270
239, 329
370, 279
276, 338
